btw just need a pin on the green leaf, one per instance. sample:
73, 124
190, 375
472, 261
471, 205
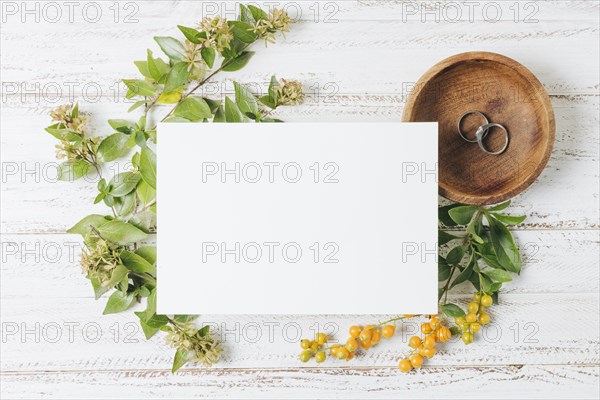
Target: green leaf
445, 237
99, 290
464, 275
212, 104
258, 13
150, 325
136, 263
148, 167
268, 101
455, 255
145, 192
151, 305
190, 34
508, 219
86, 224
504, 246
124, 205
239, 62
136, 105
121, 232
122, 125
140, 87
219, 115
181, 358
208, 55
169, 98
113, 147
123, 183
498, 275
72, 170
178, 76
144, 220
245, 100
148, 253
63, 133
118, 275
443, 215
193, 109
443, 271
452, 310
118, 302
462, 215
157, 67
184, 319
246, 14
243, 31
142, 66
500, 207
171, 47
232, 112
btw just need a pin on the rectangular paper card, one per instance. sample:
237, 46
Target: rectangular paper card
285, 218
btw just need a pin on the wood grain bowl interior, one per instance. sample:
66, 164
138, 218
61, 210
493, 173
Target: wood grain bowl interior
508, 94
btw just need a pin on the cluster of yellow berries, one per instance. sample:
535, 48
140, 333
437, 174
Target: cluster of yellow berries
433, 332
360, 337
314, 348
476, 316
423, 346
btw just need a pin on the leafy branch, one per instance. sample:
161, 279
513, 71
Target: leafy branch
117, 258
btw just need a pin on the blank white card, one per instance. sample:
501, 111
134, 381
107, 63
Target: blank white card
286, 218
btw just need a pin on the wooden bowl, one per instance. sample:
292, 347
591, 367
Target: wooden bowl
506, 93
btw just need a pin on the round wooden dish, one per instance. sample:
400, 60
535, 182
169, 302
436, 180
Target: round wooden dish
508, 94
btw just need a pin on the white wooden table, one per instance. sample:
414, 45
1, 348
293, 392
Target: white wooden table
356, 58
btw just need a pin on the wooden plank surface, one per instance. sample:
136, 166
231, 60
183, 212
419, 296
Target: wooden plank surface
357, 61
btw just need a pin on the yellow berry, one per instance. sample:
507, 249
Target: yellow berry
472, 307
429, 352
443, 334
305, 343
334, 349
434, 322
354, 331
351, 344
484, 319
475, 327
320, 356
459, 320
375, 337
405, 365
416, 360
314, 346
471, 317
350, 356
321, 338
429, 341
467, 337
464, 326
366, 333
388, 331
414, 342
365, 345
342, 353
426, 328
477, 297
305, 356
487, 300
421, 350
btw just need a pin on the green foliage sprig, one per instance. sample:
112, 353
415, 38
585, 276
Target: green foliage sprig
117, 258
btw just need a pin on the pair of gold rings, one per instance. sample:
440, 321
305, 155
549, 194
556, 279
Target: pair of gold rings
482, 132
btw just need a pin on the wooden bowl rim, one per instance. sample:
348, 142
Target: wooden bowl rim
409, 109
